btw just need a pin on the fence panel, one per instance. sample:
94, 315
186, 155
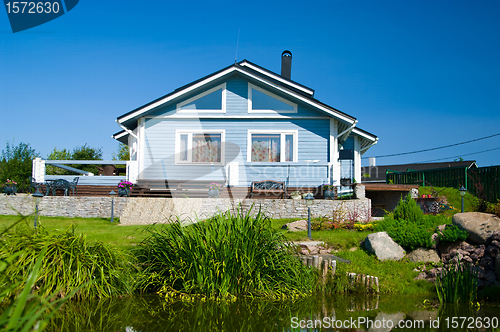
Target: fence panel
481, 182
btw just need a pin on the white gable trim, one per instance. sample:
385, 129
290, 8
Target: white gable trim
272, 95
279, 78
201, 95
228, 71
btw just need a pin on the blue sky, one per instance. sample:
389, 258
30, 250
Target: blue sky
418, 74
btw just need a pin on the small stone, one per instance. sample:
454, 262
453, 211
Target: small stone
353, 249
421, 276
324, 252
495, 243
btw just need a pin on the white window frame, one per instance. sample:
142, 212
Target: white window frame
272, 95
282, 133
201, 95
190, 133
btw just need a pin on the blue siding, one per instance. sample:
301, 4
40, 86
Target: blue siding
313, 137
236, 100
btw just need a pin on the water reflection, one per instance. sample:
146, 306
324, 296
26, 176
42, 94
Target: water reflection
150, 313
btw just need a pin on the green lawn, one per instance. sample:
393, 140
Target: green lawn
394, 276
98, 229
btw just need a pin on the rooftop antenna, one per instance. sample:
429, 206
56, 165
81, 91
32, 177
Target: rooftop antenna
237, 42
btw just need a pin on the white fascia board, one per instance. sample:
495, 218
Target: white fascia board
278, 78
175, 95
298, 96
120, 135
223, 73
364, 135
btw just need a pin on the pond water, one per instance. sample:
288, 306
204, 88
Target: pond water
332, 313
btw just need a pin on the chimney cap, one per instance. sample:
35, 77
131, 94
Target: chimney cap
286, 53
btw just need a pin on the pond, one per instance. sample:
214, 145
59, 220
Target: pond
332, 313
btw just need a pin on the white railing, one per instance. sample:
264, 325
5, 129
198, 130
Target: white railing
86, 178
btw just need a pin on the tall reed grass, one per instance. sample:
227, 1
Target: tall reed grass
227, 255
71, 262
457, 283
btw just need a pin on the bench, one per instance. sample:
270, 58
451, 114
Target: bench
268, 187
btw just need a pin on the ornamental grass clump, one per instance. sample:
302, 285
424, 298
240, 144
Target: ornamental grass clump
225, 256
457, 283
71, 262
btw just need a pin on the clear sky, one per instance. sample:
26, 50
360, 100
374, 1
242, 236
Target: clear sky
418, 74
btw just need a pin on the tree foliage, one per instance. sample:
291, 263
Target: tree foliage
84, 152
123, 153
16, 163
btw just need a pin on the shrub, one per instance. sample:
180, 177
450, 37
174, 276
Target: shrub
408, 209
412, 235
452, 233
224, 256
71, 262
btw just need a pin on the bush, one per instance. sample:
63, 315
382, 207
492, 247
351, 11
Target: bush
16, 164
224, 256
452, 233
408, 209
409, 227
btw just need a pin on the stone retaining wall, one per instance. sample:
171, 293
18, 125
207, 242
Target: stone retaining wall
140, 210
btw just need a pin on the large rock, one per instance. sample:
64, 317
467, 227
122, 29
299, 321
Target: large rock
299, 225
424, 255
480, 226
497, 267
384, 247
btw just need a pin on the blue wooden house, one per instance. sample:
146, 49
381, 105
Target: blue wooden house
241, 124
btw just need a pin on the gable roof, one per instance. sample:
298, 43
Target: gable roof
250, 70
379, 175
347, 123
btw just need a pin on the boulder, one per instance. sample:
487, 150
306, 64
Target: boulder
383, 246
497, 267
299, 225
480, 226
424, 255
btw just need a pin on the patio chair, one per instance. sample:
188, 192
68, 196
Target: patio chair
71, 185
35, 185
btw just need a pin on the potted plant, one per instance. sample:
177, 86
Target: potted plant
213, 189
328, 191
10, 187
124, 188
296, 195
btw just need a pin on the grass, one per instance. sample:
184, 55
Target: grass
452, 196
394, 276
71, 262
337, 238
96, 229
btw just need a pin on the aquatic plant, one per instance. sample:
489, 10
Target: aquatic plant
227, 255
457, 283
71, 262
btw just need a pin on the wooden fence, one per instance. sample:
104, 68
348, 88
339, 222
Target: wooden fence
482, 182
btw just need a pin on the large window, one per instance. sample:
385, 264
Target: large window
262, 101
199, 147
272, 146
210, 101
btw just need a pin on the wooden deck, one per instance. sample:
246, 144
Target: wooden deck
388, 187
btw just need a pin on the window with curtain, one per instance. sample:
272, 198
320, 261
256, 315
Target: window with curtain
199, 147
272, 147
